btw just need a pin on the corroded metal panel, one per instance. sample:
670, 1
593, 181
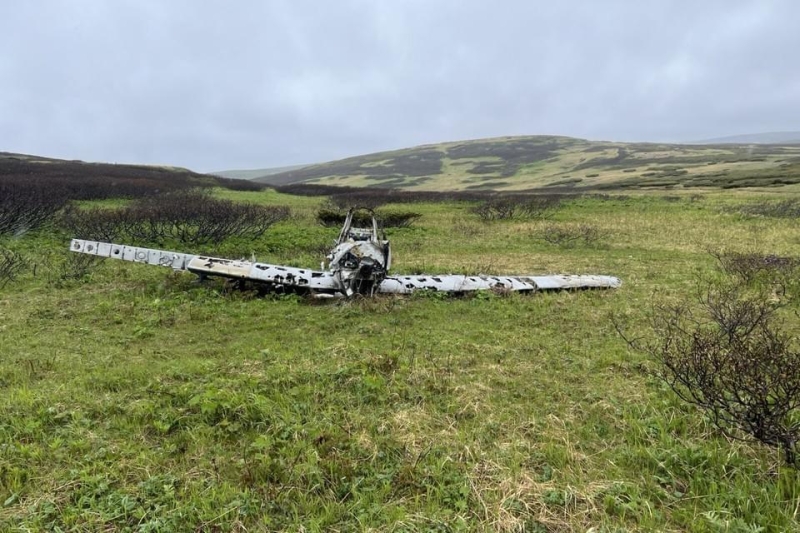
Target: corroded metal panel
561, 282
219, 267
213, 266
453, 283
136, 254
459, 283
298, 277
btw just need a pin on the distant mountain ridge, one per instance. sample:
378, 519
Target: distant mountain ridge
774, 137
553, 163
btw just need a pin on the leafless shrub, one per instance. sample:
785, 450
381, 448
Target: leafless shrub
531, 207
750, 267
535, 207
76, 180
195, 218
364, 198
96, 224
403, 219
27, 205
11, 265
65, 266
567, 236
190, 217
333, 217
495, 209
373, 197
606, 197
782, 209
727, 354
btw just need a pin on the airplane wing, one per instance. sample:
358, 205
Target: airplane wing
277, 275
460, 284
326, 282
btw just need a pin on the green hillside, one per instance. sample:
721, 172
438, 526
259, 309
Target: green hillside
519, 163
79, 180
773, 137
256, 173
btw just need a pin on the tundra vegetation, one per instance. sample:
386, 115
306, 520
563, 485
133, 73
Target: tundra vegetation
558, 163
135, 399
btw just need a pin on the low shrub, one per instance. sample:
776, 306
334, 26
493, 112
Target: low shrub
782, 209
11, 265
727, 354
373, 197
749, 267
76, 180
332, 217
190, 217
531, 207
26, 206
572, 235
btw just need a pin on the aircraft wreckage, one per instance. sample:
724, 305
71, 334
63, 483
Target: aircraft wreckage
358, 265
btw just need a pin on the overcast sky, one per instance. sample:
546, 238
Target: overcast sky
217, 85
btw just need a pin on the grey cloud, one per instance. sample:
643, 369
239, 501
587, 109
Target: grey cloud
214, 85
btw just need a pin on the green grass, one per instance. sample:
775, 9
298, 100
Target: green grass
138, 400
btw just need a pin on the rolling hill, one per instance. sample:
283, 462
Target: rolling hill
551, 162
82, 180
256, 173
775, 137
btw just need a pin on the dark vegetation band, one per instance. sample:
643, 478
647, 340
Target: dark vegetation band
188, 217
32, 193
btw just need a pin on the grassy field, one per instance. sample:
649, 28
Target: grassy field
134, 399
520, 163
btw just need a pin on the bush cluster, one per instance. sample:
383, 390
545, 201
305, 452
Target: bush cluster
750, 267
333, 217
32, 193
783, 209
372, 197
25, 206
190, 217
567, 236
536, 207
